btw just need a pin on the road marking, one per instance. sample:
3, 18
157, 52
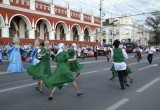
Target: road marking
80, 74
90, 72
148, 85
154, 65
118, 104
15, 82
18, 87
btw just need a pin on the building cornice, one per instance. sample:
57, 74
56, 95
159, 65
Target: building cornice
45, 14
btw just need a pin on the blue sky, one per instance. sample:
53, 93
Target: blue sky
113, 8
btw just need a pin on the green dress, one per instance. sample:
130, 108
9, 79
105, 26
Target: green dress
74, 66
128, 70
43, 68
62, 73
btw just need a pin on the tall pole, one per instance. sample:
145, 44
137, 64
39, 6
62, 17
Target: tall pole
101, 4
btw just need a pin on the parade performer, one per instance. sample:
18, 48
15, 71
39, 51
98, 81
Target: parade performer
74, 66
115, 74
14, 57
138, 53
62, 73
108, 53
43, 68
150, 50
118, 55
95, 50
35, 60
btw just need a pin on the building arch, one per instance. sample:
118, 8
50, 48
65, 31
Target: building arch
27, 21
87, 33
43, 27
61, 30
75, 32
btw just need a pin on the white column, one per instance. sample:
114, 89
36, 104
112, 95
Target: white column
6, 2
58, 36
82, 17
68, 13
92, 19
52, 9
92, 38
32, 34
52, 35
81, 37
32, 4
68, 36
5, 31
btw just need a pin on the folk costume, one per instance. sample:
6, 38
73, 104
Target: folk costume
36, 50
118, 56
62, 73
138, 55
43, 68
108, 53
14, 57
74, 66
115, 73
150, 50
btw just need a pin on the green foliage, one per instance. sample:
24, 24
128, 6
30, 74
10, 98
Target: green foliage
154, 22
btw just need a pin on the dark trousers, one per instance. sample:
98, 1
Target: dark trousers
150, 57
122, 77
95, 55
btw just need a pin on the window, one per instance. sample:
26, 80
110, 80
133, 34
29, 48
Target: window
127, 31
110, 32
117, 31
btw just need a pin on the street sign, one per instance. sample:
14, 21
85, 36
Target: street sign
100, 34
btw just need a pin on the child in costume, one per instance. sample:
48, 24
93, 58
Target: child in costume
14, 57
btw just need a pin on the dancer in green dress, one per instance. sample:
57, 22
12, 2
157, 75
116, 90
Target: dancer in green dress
43, 68
62, 73
74, 66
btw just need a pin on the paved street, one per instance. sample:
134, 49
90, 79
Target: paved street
17, 90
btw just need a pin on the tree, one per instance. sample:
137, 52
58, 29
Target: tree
154, 23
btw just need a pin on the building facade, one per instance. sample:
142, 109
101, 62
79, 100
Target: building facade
123, 29
31, 19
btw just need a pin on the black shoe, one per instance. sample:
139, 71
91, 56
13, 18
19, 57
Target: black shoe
123, 88
50, 98
79, 94
112, 78
127, 85
78, 74
131, 80
41, 91
37, 88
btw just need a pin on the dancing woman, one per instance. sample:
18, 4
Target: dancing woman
14, 57
138, 53
43, 68
74, 66
62, 73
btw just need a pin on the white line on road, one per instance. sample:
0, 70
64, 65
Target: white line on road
148, 85
18, 87
154, 65
118, 104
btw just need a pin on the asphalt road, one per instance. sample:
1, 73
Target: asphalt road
17, 90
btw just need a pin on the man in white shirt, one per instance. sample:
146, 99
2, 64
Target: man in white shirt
118, 55
150, 50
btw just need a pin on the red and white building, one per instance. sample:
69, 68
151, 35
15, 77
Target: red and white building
31, 19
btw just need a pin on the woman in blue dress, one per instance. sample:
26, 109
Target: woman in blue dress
14, 57
35, 51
